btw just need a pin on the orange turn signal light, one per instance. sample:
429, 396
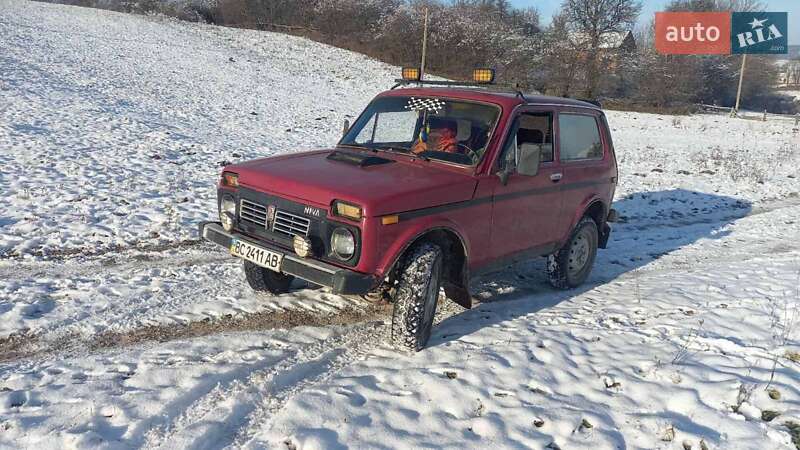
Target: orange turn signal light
230, 179
390, 220
348, 210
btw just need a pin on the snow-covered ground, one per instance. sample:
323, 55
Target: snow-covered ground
114, 128
118, 330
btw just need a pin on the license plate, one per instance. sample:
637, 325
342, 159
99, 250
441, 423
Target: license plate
253, 253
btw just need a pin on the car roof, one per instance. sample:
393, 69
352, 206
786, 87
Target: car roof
508, 99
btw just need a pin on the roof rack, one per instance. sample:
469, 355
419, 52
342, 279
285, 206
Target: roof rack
492, 87
403, 82
489, 86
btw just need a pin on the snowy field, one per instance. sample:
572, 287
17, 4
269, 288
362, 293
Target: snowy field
119, 330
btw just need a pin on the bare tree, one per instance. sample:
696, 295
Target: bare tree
715, 5
560, 59
591, 20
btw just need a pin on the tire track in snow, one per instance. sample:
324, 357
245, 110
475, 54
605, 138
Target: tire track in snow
231, 413
197, 294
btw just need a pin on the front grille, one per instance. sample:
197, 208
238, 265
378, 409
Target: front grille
253, 213
291, 224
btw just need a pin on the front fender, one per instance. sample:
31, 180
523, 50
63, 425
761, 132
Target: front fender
397, 238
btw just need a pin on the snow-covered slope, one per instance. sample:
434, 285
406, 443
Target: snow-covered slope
112, 128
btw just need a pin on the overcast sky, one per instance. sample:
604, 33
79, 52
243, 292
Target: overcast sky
649, 7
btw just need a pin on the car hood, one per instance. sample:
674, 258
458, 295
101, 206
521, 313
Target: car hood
396, 186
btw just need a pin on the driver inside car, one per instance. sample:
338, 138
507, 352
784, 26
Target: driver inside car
441, 136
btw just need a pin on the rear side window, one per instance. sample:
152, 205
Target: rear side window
579, 137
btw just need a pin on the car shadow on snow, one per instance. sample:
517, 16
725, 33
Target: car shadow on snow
652, 225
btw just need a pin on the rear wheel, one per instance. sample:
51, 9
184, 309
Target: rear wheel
571, 265
264, 280
415, 297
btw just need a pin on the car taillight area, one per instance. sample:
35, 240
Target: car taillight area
293, 226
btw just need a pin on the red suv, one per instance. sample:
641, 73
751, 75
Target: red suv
430, 187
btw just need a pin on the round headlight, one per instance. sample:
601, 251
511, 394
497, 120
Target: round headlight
227, 212
343, 243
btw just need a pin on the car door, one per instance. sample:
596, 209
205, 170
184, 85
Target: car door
526, 207
586, 163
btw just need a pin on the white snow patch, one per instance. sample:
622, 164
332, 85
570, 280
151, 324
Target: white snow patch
113, 127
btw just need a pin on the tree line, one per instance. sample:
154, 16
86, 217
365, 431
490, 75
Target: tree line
577, 54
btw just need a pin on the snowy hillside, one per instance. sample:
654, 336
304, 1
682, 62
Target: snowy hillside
119, 330
115, 127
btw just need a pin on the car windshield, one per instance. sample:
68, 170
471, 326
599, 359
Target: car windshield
429, 127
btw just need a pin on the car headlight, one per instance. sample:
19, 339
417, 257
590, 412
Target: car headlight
343, 243
227, 212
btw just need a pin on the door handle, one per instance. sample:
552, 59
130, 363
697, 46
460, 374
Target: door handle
556, 177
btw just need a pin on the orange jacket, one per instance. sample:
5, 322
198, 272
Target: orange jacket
447, 143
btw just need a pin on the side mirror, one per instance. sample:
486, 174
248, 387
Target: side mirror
529, 157
346, 127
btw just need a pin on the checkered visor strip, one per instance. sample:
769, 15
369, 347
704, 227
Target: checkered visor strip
433, 105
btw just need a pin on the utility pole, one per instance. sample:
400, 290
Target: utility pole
424, 46
739, 91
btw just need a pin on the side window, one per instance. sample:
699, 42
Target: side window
530, 128
389, 127
537, 129
579, 137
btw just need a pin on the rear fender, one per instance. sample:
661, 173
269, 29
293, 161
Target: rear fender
586, 205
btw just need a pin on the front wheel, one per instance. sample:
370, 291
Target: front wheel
264, 280
570, 266
415, 297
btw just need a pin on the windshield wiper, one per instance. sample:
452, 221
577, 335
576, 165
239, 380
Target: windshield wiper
361, 147
391, 149
401, 151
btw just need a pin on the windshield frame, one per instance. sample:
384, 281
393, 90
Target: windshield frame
473, 166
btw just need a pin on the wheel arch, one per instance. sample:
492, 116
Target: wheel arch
597, 210
456, 273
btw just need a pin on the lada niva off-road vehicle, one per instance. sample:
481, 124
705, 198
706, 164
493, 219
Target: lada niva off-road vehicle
429, 187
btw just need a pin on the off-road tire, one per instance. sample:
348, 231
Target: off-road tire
418, 283
264, 280
561, 266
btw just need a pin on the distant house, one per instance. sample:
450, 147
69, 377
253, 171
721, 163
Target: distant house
621, 41
613, 46
611, 42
